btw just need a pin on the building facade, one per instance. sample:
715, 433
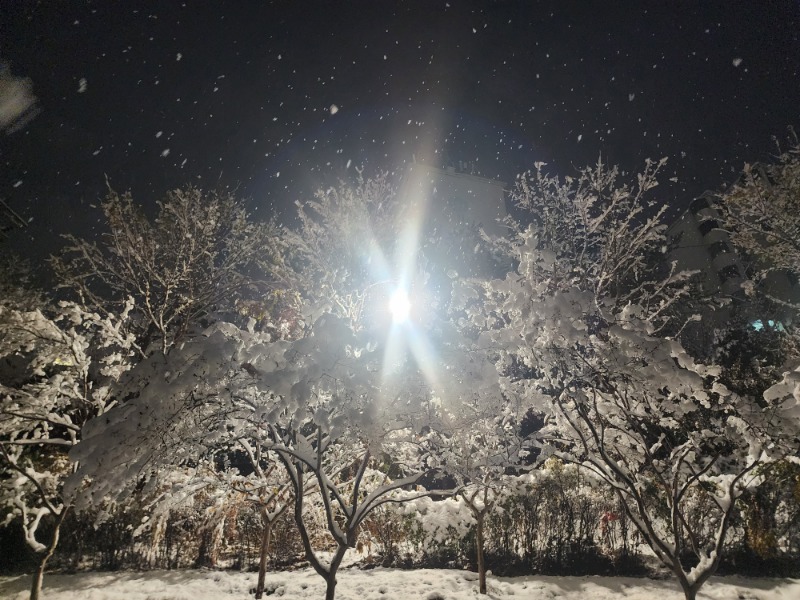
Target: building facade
701, 243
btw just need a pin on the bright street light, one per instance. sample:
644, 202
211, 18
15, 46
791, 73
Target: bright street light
399, 305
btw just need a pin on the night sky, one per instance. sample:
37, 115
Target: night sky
275, 99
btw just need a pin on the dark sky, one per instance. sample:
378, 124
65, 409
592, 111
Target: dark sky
154, 95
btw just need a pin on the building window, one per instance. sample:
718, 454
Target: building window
718, 248
699, 204
760, 325
729, 272
708, 225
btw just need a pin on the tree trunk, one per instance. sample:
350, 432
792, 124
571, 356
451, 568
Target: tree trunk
689, 591
38, 576
330, 587
262, 562
479, 551
330, 578
202, 559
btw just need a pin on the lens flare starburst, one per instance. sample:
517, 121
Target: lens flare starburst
397, 289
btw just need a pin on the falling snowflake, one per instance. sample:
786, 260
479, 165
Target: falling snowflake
82, 85
737, 61
179, 56
334, 109
165, 152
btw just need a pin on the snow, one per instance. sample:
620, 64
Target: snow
355, 584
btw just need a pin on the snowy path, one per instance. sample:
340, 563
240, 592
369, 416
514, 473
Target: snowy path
381, 584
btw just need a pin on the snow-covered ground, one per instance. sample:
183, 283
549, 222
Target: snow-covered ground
381, 584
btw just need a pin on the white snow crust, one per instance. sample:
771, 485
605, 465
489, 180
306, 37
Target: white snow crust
381, 584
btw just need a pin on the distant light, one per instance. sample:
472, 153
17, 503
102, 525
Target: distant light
758, 325
399, 306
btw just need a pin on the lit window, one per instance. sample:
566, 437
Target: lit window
758, 325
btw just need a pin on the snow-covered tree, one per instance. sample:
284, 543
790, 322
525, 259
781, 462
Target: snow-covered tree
578, 330
762, 214
58, 365
195, 257
16, 284
480, 447
345, 244
255, 476
349, 409
321, 404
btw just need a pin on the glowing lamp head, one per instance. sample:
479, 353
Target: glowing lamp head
399, 306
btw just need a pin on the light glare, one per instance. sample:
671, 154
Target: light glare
399, 306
